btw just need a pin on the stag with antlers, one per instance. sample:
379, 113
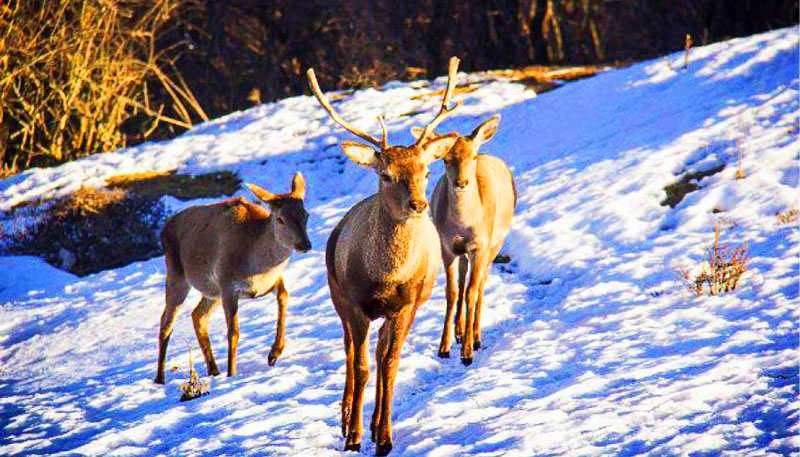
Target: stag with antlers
382, 260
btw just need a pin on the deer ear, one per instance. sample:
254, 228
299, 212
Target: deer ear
360, 153
485, 131
263, 195
298, 186
436, 148
416, 132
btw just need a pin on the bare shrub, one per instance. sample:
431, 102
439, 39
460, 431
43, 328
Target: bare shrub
74, 73
194, 387
787, 216
721, 270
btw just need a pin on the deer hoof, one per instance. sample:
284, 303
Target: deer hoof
476, 345
383, 449
352, 447
467, 361
159, 379
213, 371
272, 359
444, 354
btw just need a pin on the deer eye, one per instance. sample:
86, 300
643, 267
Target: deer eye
428, 174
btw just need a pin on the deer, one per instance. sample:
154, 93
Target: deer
472, 206
382, 260
231, 250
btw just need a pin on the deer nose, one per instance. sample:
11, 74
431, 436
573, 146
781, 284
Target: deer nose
418, 205
462, 183
304, 246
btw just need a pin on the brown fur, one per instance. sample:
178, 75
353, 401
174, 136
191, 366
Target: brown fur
382, 260
472, 208
230, 250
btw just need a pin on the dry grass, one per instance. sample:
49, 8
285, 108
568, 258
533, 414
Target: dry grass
462, 89
74, 73
722, 269
543, 78
540, 78
194, 387
787, 216
183, 187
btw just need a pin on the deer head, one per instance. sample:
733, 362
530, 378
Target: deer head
290, 216
461, 160
403, 170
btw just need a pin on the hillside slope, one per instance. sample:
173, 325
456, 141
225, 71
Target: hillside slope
593, 344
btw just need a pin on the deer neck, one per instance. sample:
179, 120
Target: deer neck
465, 208
392, 250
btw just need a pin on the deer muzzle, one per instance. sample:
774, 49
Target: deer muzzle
418, 206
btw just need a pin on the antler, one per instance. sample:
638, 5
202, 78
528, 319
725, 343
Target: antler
312, 82
444, 111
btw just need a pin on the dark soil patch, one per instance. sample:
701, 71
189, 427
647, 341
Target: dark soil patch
93, 230
183, 187
688, 183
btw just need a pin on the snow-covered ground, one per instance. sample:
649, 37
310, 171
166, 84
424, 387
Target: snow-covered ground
593, 345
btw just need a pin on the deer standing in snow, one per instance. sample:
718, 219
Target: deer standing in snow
472, 206
230, 250
382, 260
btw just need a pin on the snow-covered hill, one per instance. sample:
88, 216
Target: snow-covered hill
593, 345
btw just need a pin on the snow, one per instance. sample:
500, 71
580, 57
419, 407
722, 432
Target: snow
593, 345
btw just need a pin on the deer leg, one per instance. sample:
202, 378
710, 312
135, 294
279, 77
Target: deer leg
200, 315
230, 302
176, 291
380, 354
463, 265
347, 396
359, 327
452, 293
476, 325
394, 339
280, 341
479, 265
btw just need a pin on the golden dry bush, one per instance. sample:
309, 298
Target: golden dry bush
194, 387
74, 72
723, 267
788, 216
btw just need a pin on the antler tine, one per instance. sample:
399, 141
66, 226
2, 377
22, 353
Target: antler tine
444, 111
312, 82
385, 138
